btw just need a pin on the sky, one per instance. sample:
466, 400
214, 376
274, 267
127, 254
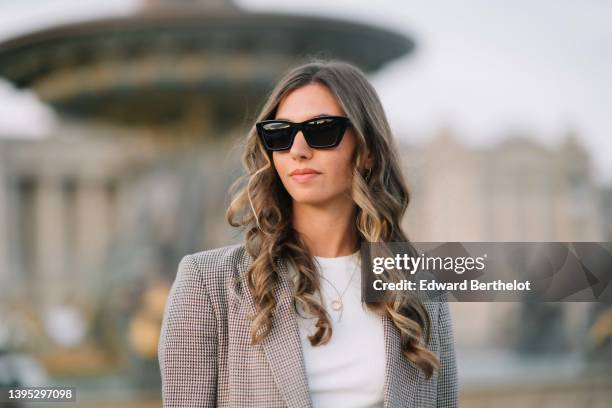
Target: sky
486, 69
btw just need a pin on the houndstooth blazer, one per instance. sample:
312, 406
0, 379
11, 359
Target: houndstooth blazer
206, 358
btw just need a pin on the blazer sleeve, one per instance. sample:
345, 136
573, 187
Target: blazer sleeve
447, 378
187, 349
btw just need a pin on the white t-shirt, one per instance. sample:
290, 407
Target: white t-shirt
349, 371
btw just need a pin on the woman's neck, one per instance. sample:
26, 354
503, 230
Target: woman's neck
327, 231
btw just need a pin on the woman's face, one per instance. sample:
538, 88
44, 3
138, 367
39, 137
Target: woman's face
333, 180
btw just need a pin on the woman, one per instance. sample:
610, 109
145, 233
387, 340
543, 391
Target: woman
277, 321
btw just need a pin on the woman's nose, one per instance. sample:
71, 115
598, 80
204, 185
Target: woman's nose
300, 148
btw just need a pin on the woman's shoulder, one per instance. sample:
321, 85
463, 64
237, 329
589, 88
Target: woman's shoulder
214, 265
225, 255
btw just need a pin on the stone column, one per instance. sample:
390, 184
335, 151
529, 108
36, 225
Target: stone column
92, 230
49, 245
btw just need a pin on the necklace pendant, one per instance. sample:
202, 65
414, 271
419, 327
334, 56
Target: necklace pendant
336, 304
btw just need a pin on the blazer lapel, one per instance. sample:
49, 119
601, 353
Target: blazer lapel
282, 346
402, 377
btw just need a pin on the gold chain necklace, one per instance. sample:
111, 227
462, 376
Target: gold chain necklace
337, 303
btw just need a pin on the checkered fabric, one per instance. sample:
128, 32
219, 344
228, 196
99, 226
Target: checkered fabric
206, 358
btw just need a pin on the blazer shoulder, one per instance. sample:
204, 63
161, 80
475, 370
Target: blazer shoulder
215, 265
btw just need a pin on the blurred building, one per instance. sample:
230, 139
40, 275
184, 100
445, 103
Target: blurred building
517, 190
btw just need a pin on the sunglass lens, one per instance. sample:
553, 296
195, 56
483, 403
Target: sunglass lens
324, 132
277, 135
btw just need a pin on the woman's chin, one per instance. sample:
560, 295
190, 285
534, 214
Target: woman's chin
309, 199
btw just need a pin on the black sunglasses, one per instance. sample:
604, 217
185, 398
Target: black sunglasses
320, 132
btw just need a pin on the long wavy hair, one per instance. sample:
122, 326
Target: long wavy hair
262, 206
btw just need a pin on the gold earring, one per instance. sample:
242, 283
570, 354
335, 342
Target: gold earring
367, 177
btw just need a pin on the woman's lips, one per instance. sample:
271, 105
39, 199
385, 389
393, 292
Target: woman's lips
301, 178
